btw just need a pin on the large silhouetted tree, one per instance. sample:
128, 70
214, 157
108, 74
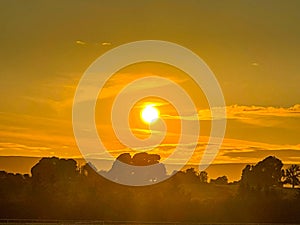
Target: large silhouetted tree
52, 170
264, 174
292, 175
140, 168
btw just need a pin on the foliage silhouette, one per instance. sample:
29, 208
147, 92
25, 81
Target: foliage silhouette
141, 168
220, 180
292, 175
58, 189
203, 176
265, 174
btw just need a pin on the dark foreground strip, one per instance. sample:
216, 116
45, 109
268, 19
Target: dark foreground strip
76, 222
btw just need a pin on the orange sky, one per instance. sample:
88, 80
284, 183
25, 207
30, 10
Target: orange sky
254, 53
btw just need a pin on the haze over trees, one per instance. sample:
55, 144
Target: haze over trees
59, 189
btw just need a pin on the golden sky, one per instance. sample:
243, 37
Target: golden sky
252, 47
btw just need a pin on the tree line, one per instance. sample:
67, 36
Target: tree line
59, 189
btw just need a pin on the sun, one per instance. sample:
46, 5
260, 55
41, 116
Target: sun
149, 114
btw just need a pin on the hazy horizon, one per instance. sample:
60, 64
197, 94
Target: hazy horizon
233, 171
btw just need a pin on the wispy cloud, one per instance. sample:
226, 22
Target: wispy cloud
106, 43
231, 151
242, 112
234, 150
20, 146
288, 155
7, 148
264, 116
80, 42
238, 111
116, 83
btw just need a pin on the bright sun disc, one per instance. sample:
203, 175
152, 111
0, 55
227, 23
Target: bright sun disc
149, 114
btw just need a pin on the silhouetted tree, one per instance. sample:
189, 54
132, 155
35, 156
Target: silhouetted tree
264, 174
203, 176
145, 159
52, 170
191, 176
220, 180
55, 182
292, 175
141, 168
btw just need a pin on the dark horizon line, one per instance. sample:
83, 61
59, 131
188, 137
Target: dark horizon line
76, 158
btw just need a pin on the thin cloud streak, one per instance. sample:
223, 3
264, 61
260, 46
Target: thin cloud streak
243, 112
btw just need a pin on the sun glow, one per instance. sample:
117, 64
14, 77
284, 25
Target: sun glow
149, 114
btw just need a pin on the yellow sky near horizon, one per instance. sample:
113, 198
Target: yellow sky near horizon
252, 47
33, 141
41, 136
